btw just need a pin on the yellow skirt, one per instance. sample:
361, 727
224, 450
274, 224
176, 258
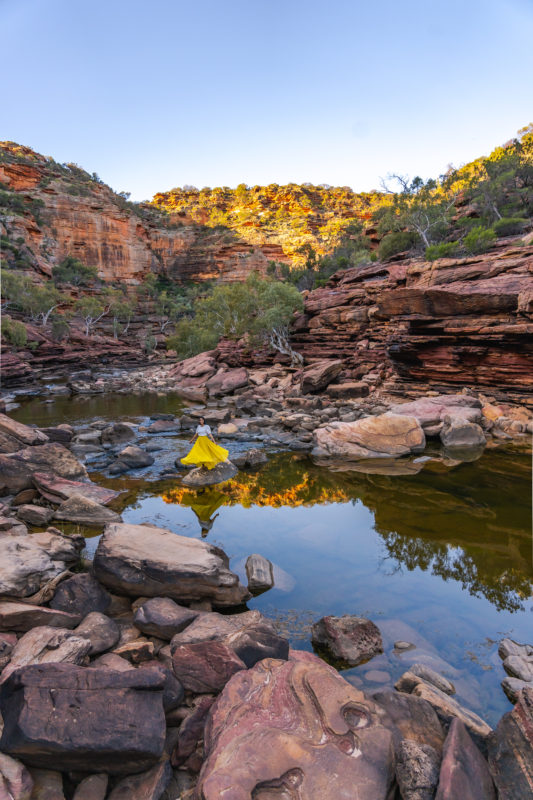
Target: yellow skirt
205, 454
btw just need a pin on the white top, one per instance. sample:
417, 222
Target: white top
203, 430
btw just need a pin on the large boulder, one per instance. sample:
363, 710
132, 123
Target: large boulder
85, 511
199, 477
226, 381
459, 433
349, 639
203, 365
15, 436
298, 729
383, 436
27, 561
142, 560
135, 457
17, 469
510, 750
86, 719
430, 411
318, 375
57, 489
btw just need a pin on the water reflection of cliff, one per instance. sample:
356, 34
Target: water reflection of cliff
469, 524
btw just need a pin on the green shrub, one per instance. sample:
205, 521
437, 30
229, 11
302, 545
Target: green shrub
479, 240
60, 328
394, 243
509, 226
14, 331
442, 250
71, 270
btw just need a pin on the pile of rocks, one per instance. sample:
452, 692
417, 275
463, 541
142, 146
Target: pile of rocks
126, 680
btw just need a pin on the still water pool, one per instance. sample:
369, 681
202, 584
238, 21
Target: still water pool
441, 558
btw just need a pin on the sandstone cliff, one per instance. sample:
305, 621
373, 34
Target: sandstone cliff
50, 211
450, 322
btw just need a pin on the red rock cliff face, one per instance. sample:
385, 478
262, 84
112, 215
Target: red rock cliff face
88, 223
449, 322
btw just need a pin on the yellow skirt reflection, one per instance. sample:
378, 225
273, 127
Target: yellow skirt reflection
205, 504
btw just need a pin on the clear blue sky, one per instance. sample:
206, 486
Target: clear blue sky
162, 93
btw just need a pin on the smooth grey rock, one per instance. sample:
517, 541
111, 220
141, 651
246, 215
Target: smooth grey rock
199, 476
102, 632
135, 457
85, 511
260, 573
456, 432
35, 515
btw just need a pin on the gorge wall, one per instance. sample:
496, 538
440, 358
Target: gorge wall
60, 211
447, 323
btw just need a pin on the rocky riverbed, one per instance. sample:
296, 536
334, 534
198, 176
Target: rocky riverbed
135, 670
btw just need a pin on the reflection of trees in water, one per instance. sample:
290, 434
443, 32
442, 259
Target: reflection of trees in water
470, 524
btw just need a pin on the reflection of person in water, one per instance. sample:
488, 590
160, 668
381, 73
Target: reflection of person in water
204, 504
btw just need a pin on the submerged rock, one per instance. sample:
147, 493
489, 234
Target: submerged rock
350, 639
199, 476
142, 560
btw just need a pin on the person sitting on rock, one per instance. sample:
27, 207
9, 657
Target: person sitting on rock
205, 452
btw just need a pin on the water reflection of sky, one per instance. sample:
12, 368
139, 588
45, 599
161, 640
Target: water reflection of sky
456, 570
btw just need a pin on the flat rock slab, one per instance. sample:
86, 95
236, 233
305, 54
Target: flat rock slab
350, 639
34, 515
57, 489
85, 511
298, 729
448, 708
383, 436
85, 719
199, 477
510, 750
44, 645
21, 617
17, 469
22, 433
29, 560
464, 773
142, 560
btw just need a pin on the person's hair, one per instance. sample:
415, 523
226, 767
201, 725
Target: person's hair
201, 420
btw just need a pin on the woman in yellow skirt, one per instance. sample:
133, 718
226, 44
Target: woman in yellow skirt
205, 452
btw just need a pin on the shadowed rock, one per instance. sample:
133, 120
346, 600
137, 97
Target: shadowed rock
510, 750
162, 617
81, 594
83, 718
15, 781
205, 666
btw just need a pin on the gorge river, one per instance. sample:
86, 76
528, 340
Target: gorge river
440, 557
